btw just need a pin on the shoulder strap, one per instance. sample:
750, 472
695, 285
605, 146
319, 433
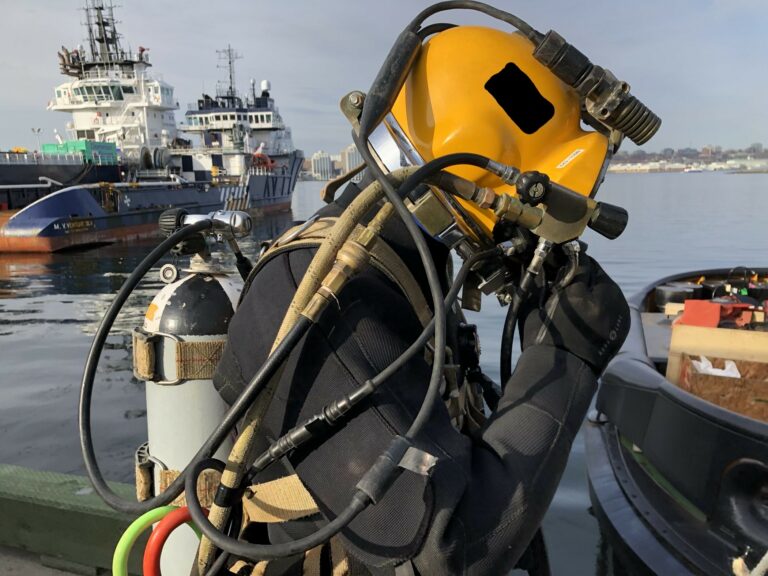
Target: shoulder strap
383, 258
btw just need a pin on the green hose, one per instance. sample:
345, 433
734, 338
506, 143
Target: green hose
133, 532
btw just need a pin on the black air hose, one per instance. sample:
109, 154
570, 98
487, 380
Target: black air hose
231, 418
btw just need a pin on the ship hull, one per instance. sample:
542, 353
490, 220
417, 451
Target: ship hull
76, 217
28, 176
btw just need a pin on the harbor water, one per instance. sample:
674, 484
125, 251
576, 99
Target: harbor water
50, 306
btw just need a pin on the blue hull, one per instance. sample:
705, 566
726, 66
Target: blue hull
102, 214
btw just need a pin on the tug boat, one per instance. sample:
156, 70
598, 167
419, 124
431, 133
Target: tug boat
677, 448
127, 162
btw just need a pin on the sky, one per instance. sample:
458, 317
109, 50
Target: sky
699, 64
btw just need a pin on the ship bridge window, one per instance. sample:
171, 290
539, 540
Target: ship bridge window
89, 90
261, 118
217, 118
269, 117
116, 93
232, 116
128, 90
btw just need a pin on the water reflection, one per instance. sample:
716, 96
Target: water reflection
50, 307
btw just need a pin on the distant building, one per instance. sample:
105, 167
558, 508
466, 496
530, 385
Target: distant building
350, 158
322, 166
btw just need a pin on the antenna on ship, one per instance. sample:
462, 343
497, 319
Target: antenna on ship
103, 37
230, 56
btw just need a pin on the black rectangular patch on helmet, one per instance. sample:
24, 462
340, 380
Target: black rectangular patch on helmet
518, 96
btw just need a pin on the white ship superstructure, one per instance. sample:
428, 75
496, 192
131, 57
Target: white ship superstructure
241, 143
113, 98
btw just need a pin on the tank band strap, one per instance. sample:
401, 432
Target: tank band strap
198, 360
207, 484
194, 360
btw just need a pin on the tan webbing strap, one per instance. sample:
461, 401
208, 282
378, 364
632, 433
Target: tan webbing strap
143, 482
143, 356
278, 501
259, 570
197, 360
384, 258
312, 560
207, 484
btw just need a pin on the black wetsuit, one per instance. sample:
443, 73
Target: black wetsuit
487, 494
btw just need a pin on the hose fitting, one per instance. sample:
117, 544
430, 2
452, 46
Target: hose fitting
508, 174
605, 98
511, 209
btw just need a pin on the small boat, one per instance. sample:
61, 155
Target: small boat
677, 448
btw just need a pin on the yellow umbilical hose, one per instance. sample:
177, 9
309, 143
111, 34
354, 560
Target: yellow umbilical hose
321, 264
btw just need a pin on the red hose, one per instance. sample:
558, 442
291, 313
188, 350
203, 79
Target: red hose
151, 564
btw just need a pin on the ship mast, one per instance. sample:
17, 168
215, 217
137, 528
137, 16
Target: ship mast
103, 38
230, 56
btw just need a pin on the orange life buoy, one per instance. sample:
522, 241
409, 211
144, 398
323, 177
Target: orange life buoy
261, 160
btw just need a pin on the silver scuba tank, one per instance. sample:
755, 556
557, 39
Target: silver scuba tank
175, 353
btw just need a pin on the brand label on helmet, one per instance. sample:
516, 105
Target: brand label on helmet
568, 159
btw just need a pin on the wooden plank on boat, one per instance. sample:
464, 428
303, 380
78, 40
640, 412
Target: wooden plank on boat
727, 343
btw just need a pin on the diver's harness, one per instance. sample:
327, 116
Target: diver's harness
555, 214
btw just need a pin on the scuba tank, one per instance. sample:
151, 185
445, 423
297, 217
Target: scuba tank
175, 352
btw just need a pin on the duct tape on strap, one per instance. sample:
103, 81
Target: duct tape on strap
418, 461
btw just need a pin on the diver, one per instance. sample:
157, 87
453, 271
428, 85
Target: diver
368, 439
497, 457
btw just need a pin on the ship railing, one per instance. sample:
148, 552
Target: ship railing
112, 72
209, 150
35, 158
262, 105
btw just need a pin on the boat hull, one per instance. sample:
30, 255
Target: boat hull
674, 479
82, 216
12, 176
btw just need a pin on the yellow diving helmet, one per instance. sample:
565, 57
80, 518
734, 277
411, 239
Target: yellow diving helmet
481, 90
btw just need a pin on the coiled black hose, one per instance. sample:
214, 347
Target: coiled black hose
221, 431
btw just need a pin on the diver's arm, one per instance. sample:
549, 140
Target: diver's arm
517, 462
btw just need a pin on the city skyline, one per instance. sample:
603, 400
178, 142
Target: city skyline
694, 63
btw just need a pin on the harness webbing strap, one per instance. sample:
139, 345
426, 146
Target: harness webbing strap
279, 500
